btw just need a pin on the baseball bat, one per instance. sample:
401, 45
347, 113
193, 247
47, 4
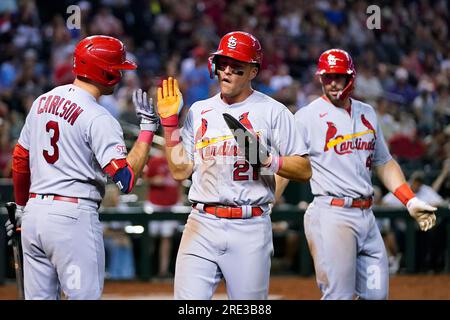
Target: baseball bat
18, 267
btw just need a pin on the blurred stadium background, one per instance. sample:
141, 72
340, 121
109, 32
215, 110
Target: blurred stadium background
403, 70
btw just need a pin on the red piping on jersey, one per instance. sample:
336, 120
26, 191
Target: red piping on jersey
21, 174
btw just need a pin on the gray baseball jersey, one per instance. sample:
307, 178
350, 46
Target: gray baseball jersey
348, 251
70, 138
218, 177
211, 246
343, 148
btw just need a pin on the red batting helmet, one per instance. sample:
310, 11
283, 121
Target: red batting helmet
238, 45
338, 61
100, 59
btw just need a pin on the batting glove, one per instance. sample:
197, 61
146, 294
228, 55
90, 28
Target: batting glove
11, 228
145, 111
422, 212
170, 102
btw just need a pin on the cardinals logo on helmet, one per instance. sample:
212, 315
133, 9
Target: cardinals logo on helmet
331, 60
232, 42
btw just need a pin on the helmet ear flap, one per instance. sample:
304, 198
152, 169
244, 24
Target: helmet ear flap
212, 67
112, 77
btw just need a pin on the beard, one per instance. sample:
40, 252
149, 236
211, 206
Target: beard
334, 98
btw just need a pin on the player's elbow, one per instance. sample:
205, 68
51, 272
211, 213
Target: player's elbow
307, 174
308, 171
296, 168
304, 176
304, 170
181, 173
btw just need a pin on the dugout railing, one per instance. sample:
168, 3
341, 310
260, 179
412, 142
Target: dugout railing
137, 216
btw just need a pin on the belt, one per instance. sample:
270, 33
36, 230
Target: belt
53, 197
356, 203
229, 212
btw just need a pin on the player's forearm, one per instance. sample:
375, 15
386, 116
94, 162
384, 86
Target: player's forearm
21, 174
280, 185
295, 168
391, 175
180, 165
138, 156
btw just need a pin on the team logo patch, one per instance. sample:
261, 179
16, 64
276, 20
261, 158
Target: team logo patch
201, 130
344, 144
121, 149
232, 42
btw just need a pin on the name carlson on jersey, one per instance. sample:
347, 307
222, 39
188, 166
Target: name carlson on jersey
61, 107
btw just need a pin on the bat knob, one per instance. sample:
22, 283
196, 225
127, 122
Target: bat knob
11, 208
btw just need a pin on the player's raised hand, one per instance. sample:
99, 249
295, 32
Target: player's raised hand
145, 111
422, 212
170, 102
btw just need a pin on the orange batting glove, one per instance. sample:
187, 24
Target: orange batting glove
170, 102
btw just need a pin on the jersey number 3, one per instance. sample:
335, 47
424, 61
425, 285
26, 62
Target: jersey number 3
52, 125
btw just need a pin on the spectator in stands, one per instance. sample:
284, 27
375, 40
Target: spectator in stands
442, 182
163, 193
262, 83
390, 241
106, 23
421, 190
196, 81
367, 87
411, 46
402, 92
425, 105
407, 147
427, 244
281, 79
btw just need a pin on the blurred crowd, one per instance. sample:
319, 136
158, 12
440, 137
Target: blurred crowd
403, 68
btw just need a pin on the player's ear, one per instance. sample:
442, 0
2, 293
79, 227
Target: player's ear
254, 72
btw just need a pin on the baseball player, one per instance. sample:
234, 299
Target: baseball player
345, 142
228, 233
67, 145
